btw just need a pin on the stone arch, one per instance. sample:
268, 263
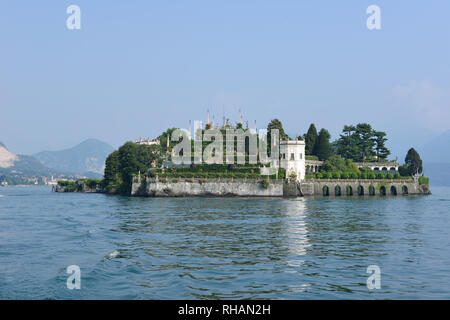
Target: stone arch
337, 191
376, 169
393, 169
405, 190
325, 191
360, 190
384, 169
393, 191
382, 191
371, 190
349, 190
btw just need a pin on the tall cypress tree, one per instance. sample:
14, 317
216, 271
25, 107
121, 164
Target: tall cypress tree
310, 139
324, 149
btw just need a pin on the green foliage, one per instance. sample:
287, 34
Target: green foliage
265, 183
424, 180
323, 148
316, 158
403, 170
362, 143
275, 124
336, 164
129, 160
381, 176
311, 139
379, 139
389, 176
413, 162
336, 175
397, 176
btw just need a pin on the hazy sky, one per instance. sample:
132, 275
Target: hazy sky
138, 67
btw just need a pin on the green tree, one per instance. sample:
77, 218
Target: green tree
324, 149
413, 161
346, 145
112, 176
275, 124
379, 139
365, 142
311, 139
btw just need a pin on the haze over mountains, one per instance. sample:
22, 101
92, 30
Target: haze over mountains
436, 159
85, 159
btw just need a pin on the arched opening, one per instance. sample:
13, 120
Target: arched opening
382, 191
349, 191
325, 191
376, 169
360, 190
384, 169
393, 169
405, 190
393, 190
337, 191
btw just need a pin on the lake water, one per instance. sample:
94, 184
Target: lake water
222, 248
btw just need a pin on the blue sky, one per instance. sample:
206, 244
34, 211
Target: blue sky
138, 67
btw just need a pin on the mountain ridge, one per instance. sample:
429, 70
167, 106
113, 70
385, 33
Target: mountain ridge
86, 157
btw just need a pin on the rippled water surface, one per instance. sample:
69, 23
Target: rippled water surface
222, 248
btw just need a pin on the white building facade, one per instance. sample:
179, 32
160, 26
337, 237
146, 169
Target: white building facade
292, 158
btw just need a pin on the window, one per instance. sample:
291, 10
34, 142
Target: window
284, 155
301, 156
292, 156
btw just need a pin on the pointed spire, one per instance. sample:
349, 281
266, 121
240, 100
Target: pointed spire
240, 117
207, 118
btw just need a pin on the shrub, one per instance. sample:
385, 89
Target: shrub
345, 175
354, 175
319, 175
389, 176
364, 175
424, 180
336, 175
265, 183
397, 176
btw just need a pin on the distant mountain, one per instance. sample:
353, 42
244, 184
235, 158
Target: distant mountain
436, 150
7, 158
85, 158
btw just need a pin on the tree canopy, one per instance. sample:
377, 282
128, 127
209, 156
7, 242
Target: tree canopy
122, 164
362, 143
324, 150
413, 161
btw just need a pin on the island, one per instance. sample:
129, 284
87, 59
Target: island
221, 160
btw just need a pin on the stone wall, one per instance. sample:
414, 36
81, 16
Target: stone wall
355, 187
178, 187
210, 187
